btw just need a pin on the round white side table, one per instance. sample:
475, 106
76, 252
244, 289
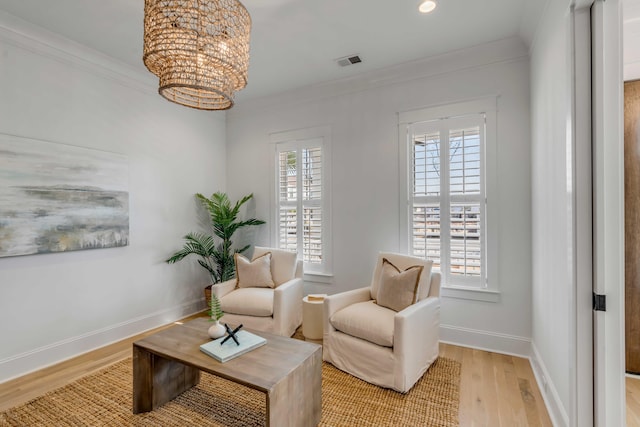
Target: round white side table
312, 319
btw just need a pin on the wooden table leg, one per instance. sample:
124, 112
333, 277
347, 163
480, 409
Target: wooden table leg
157, 380
296, 401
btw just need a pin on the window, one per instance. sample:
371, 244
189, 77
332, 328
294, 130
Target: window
301, 223
447, 197
446, 182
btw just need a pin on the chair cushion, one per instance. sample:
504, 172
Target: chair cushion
397, 289
283, 263
249, 301
254, 274
367, 321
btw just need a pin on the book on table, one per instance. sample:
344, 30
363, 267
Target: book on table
229, 350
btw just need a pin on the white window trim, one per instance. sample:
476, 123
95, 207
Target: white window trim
294, 138
488, 107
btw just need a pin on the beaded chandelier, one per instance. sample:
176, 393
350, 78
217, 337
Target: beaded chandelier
199, 49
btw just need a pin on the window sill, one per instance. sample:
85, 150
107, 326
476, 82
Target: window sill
487, 295
317, 277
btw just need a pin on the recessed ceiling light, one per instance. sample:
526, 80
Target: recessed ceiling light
427, 6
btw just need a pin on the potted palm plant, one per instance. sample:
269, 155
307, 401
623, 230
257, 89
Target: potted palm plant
215, 251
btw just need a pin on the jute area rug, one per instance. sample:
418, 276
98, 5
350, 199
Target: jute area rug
104, 398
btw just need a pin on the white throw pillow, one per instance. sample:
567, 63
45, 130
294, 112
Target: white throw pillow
403, 262
398, 289
254, 274
283, 263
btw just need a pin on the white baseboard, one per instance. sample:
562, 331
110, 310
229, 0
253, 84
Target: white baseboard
556, 409
33, 360
484, 340
515, 346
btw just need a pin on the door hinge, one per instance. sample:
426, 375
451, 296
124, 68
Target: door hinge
599, 302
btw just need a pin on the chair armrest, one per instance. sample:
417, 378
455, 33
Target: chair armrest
287, 293
287, 305
223, 288
416, 331
336, 302
420, 306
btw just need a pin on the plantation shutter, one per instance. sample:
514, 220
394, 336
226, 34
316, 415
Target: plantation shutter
426, 167
466, 202
312, 205
288, 200
300, 199
447, 200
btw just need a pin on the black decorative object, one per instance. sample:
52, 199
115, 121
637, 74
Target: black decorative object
232, 334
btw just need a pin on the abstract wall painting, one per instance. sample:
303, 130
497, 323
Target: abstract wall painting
57, 198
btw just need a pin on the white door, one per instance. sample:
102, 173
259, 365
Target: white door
608, 212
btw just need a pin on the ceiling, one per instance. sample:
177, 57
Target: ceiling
294, 42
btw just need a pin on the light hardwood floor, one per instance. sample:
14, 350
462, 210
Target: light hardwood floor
633, 401
495, 390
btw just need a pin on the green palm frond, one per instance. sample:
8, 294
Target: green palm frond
214, 274
239, 203
239, 251
196, 243
215, 252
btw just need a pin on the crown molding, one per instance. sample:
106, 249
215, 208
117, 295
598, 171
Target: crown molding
25, 35
501, 51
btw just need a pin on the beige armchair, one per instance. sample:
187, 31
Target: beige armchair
277, 310
377, 344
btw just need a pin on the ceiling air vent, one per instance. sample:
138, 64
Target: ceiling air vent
348, 60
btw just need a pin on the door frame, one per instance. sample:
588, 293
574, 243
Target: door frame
579, 165
608, 212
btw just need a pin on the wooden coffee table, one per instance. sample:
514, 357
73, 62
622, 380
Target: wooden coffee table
288, 371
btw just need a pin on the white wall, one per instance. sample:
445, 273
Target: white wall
553, 249
631, 34
362, 115
57, 305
